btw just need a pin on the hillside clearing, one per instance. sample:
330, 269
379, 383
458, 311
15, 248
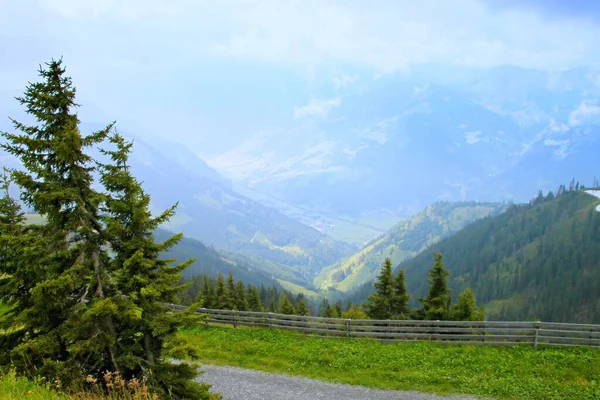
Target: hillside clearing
498, 372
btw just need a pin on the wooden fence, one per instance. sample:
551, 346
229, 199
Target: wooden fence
456, 332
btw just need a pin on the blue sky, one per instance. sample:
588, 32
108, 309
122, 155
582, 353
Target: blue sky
208, 72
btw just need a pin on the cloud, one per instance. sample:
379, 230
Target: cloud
473, 137
316, 107
586, 111
342, 80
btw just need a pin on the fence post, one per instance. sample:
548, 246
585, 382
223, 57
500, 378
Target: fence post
347, 327
536, 327
234, 319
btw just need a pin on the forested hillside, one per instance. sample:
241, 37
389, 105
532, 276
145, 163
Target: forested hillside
537, 260
406, 239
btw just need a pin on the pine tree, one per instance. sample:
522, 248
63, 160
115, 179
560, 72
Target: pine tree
208, 293
241, 303
301, 306
466, 309
400, 305
76, 301
336, 310
254, 302
223, 301
380, 303
145, 282
285, 305
436, 306
230, 292
325, 309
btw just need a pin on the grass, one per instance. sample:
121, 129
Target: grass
496, 372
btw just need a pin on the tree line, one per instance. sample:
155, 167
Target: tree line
231, 294
391, 300
85, 290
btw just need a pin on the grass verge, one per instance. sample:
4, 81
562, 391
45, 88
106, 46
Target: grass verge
496, 372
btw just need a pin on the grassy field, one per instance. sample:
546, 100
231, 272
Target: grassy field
492, 372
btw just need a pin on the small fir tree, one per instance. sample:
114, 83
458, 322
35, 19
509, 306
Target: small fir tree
380, 303
436, 306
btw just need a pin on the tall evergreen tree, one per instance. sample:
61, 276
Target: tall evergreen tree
254, 302
285, 305
71, 316
144, 281
241, 302
223, 300
466, 309
325, 309
301, 305
208, 293
400, 305
230, 292
436, 306
380, 303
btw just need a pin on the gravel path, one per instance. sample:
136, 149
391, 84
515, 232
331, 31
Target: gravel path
243, 384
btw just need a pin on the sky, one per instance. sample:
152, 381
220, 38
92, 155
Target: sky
207, 72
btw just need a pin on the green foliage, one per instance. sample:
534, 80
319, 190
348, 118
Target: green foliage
536, 260
355, 313
76, 309
285, 306
466, 309
301, 305
518, 372
403, 241
436, 306
390, 299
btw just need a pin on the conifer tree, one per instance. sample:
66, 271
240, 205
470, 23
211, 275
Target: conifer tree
285, 305
301, 306
70, 321
241, 303
144, 282
336, 310
208, 293
400, 305
254, 302
223, 301
380, 303
325, 309
230, 292
466, 309
436, 306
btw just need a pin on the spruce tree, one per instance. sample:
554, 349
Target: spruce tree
380, 303
70, 321
301, 306
223, 301
285, 305
144, 282
241, 302
436, 306
466, 309
230, 293
254, 302
400, 305
208, 293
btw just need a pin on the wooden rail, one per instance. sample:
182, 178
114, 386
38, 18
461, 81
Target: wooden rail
487, 333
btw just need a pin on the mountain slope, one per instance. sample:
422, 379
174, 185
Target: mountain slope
537, 260
406, 239
210, 211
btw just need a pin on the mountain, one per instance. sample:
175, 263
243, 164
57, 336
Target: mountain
211, 211
405, 240
536, 260
401, 142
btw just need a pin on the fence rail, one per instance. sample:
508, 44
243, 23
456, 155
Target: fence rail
457, 332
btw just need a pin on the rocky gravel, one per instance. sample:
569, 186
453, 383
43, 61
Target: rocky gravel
243, 384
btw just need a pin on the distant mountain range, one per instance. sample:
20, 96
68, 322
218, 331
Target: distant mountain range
405, 240
401, 142
539, 260
212, 212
